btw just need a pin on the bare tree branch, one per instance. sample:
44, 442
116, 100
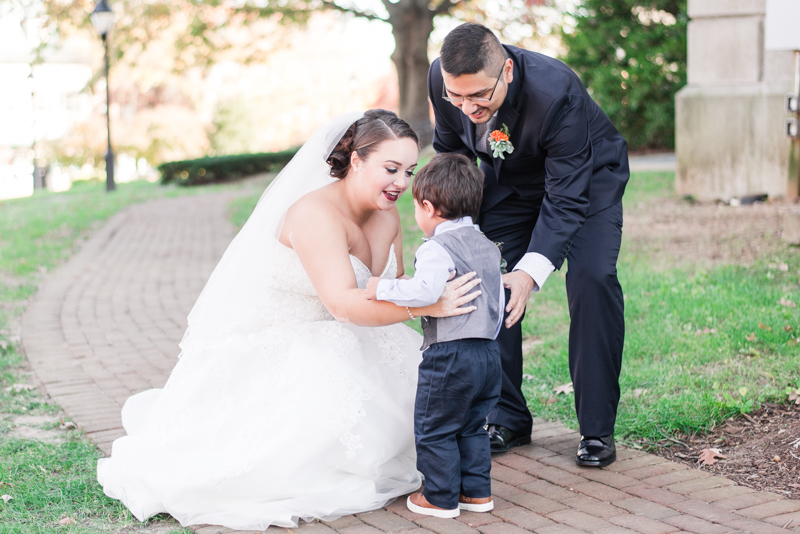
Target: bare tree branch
356, 12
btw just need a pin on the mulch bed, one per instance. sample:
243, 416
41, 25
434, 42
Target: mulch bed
762, 449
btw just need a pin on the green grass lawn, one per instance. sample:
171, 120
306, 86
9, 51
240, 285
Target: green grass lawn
675, 378
51, 481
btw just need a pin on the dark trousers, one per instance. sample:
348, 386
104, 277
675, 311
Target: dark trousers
459, 383
597, 323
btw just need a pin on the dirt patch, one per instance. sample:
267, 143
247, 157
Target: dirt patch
677, 233
762, 450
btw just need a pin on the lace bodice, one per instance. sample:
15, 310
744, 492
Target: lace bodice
295, 296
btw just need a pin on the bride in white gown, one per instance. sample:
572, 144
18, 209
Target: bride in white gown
276, 410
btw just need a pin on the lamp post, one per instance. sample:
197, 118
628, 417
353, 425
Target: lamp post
103, 21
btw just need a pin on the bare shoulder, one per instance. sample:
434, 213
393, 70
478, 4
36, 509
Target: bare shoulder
315, 212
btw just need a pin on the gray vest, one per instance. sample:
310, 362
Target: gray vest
471, 251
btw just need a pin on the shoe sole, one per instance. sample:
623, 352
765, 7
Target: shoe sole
595, 463
485, 507
433, 512
524, 440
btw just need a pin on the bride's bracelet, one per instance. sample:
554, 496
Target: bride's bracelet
409, 313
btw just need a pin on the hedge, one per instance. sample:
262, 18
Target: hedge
222, 168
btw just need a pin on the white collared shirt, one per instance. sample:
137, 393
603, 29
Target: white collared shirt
432, 269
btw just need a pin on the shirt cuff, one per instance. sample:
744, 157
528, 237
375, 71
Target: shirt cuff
537, 266
381, 293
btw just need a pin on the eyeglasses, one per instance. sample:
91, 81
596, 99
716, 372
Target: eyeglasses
460, 99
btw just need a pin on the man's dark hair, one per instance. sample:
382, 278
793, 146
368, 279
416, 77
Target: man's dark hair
470, 49
452, 183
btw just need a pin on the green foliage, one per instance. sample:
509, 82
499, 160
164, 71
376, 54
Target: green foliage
233, 127
222, 168
631, 55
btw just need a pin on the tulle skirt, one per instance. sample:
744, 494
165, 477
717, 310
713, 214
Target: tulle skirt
304, 421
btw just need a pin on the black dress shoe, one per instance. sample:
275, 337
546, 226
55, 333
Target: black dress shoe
502, 439
596, 452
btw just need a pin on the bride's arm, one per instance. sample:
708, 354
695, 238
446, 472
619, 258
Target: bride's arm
320, 241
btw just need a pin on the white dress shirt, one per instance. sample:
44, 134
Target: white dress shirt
432, 267
537, 266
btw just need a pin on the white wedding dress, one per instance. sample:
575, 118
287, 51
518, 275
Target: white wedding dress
275, 411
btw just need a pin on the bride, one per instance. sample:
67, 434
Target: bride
294, 395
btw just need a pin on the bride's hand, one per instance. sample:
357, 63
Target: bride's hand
456, 293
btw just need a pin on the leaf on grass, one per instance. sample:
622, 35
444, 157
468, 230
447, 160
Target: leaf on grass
16, 388
787, 302
762, 326
794, 396
551, 400
566, 388
783, 267
3, 344
9, 484
6, 498
705, 331
751, 337
528, 377
67, 521
638, 392
709, 456
67, 425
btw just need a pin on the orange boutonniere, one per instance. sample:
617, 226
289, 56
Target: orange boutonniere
499, 143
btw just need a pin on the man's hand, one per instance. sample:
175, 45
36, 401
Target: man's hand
521, 284
372, 288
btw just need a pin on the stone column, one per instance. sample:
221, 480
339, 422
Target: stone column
729, 119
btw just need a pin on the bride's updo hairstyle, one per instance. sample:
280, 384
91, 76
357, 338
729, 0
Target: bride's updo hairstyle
364, 136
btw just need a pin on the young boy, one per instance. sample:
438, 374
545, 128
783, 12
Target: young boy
460, 374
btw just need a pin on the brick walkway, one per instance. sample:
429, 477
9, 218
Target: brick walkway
107, 324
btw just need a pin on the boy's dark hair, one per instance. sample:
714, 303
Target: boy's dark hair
470, 49
452, 183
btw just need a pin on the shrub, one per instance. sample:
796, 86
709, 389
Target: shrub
222, 168
631, 55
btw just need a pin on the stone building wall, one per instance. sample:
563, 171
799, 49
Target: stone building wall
729, 136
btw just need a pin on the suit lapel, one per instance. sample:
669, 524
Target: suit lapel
508, 116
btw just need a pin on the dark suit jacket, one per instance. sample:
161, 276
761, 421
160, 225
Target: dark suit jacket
567, 154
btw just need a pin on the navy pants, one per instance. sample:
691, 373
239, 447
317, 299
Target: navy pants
596, 310
459, 384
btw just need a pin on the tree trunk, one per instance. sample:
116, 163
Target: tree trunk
412, 24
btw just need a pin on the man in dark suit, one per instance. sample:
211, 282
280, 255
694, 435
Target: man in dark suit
555, 196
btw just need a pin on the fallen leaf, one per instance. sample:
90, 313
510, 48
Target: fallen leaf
638, 392
788, 328
16, 388
787, 302
709, 456
751, 337
527, 377
551, 400
783, 267
3, 344
566, 388
762, 326
9, 484
6, 498
705, 331
67, 425
776, 458
67, 521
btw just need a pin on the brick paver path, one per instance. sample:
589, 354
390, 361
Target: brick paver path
107, 324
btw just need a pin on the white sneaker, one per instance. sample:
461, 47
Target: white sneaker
465, 504
432, 511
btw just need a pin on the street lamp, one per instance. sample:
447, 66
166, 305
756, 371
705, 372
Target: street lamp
103, 21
